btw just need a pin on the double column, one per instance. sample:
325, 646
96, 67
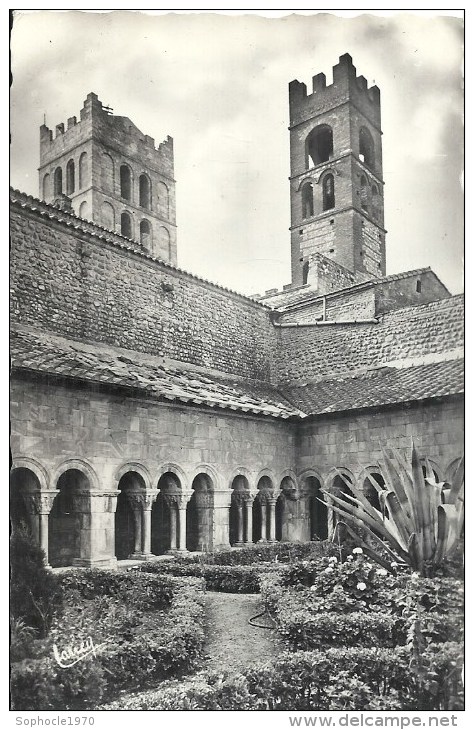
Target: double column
176, 504
267, 508
243, 502
141, 505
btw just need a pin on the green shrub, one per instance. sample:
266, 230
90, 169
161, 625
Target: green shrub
138, 646
228, 579
349, 679
35, 594
279, 552
146, 593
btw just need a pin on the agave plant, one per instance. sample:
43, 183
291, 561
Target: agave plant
420, 520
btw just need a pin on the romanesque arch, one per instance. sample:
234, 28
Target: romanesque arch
317, 512
369, 490
83, 170
129, 527
336, 483
199, 513
69, 536
240, 511
319, 145
263, 505
168, 520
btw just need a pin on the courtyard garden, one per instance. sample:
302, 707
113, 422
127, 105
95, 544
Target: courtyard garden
366, 621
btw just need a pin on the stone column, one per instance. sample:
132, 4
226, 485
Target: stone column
148, 500
263, 510
39, 505
173, 527
182, 526
238, 500
271, 507
248, 509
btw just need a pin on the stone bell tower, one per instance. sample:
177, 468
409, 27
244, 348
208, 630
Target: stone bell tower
113, 175
336, 178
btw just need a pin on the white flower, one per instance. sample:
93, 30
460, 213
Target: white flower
382, 571
313, 588
349, 559
361, 586
329, 570
415, 576
333, 560
357, 551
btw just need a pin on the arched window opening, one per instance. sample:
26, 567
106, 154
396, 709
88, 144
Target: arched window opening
68, 533
167, 532
126, 225
418, 286
329, 200
144, 192
145, 233
23, 484
46, 189
70, 177
125, 182
318, 513
129, 536
58, 181
366, 147
307, 200
319, 145
305, 272
364, 193
83, 171
164, 243
371, 493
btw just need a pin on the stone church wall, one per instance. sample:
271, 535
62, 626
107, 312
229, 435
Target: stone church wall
312, 352
79, 286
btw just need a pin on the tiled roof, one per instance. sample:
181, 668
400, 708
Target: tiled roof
299, 295
378, 387
49, 354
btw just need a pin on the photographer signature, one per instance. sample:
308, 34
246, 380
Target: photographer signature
73, 654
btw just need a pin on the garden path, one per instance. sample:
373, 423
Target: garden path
232, 643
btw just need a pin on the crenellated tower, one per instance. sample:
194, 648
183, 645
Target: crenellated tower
113, 175
336, 178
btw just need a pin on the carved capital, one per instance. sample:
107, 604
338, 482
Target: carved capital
40, 503
149, 498
172, 500
136, 500
240, 498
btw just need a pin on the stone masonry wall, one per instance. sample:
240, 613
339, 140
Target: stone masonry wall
313, 352
79, 286
353, 441
52, 424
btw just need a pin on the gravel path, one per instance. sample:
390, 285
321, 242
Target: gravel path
231, 641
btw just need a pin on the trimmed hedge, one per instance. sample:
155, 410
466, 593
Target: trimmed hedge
279, 552
225, 578
142, 644
338, 679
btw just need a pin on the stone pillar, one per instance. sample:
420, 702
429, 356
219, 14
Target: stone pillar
148, 500
238, 498
182, 526
39, 505
95, 515
263, 511
173, 527
248, 509
271, 507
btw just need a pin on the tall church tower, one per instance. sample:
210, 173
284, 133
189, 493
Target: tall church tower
336, 175
113, 176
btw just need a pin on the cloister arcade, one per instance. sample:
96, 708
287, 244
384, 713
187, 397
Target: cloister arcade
74, 519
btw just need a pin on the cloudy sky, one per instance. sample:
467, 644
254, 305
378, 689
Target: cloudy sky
218, 85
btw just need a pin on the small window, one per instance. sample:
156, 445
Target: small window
46, 187
366, 147
83, 171
328, 192
70, 177
144, 192
145, 233
307, 200
126, 225
58, 181
125, 182
418, 286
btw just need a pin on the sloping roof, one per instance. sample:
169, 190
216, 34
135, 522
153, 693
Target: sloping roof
378, 387
292, 297
45, 353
